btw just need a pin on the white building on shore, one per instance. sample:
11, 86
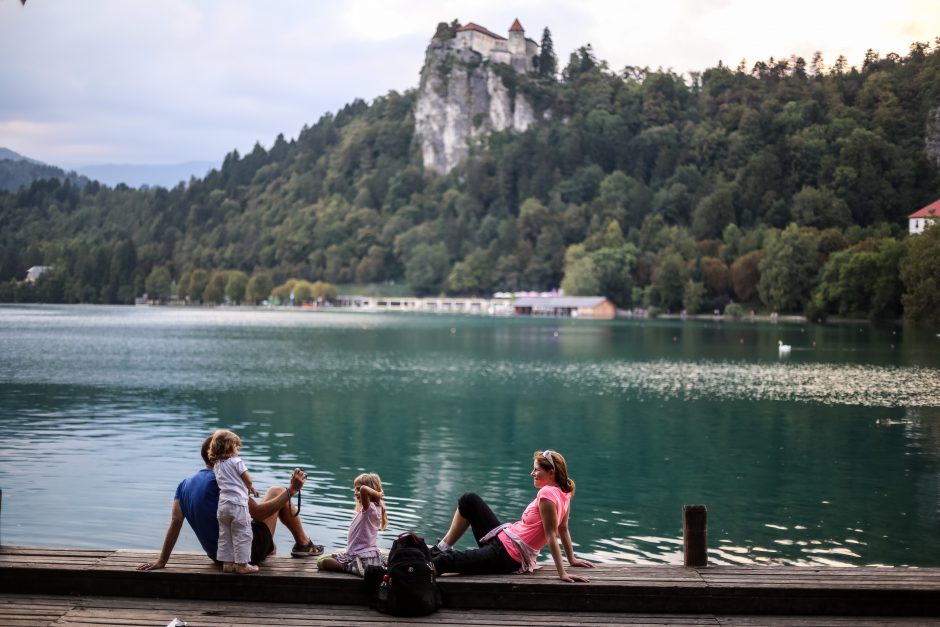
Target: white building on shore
597, 307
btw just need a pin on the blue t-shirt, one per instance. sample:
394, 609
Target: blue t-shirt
199, 499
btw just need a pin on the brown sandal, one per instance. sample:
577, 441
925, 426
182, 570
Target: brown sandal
306, 550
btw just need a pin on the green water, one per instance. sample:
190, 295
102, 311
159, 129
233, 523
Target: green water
830, 455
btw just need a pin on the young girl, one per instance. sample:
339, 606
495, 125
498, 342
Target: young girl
361, 548
234, 486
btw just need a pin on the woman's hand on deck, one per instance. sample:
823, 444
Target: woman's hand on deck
574, 578
581, 563
157, 565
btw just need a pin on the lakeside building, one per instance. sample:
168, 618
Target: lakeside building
480, 306
596, 307
33, 274
922, 218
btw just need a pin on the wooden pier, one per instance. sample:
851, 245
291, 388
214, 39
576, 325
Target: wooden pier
104, 587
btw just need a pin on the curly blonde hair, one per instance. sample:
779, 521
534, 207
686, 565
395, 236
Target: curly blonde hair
224, 444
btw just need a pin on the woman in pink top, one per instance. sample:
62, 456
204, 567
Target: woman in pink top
514, 547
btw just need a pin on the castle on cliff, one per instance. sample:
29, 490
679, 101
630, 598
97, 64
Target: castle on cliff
459, 103
517, 50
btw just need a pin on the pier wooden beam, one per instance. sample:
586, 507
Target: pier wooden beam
695, 535
750, 590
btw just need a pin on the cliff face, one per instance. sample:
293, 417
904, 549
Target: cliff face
461, 98
932, 138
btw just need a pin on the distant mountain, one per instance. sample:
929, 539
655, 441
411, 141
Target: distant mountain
6, 153
150, 175
17, 171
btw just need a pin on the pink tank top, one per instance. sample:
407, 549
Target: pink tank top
530, 529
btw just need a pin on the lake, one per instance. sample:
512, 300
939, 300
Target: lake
829, 455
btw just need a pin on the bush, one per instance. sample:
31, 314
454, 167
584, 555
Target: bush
734, 311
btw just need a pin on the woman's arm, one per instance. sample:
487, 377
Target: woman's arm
569, 548
366, 495
549, 518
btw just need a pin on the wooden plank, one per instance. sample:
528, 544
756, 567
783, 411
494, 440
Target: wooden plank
613, 587
148, 612
829, 621
133, 611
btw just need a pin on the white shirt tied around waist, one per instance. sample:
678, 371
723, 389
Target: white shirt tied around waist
528, 554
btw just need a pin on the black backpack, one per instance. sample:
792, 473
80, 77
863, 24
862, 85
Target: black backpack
407, 586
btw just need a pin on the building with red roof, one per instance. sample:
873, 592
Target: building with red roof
476, 28
516, 50
922, 218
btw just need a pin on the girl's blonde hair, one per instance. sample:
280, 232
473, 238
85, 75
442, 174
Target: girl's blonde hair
372, 480
553, 460
224, 444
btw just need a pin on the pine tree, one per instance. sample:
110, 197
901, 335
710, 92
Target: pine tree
548, 64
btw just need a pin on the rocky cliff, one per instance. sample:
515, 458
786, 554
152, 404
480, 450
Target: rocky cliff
462, 98
933, 135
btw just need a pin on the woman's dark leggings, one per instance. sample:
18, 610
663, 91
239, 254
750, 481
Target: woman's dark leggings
491, 558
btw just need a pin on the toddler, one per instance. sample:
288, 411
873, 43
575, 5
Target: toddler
234, 486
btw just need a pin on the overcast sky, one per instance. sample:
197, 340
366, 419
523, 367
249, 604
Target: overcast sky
167, 81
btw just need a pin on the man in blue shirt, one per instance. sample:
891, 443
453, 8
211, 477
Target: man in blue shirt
196, 502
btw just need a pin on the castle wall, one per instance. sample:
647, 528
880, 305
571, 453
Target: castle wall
475, 40
501, 56
531, 48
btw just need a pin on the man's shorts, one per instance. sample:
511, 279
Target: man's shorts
261, 542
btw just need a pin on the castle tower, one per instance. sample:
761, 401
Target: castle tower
518, 47
516, 41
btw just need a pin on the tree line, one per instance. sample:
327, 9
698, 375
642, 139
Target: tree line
778, 186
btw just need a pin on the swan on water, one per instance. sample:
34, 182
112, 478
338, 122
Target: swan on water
783, 348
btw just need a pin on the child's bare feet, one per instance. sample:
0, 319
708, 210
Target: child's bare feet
228, 567
245, 569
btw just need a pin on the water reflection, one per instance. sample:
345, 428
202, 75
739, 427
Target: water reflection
829, 457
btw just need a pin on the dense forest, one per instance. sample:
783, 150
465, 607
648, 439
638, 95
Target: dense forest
780, 186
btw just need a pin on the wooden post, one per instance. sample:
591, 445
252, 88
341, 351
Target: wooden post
695, 535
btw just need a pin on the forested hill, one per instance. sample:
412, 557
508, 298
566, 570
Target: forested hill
758, 185
17, 172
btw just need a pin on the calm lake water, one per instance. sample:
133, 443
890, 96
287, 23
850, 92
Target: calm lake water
830, 455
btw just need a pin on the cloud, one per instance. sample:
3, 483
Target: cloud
156, 81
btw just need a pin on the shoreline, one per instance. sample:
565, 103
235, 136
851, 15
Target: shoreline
621, 314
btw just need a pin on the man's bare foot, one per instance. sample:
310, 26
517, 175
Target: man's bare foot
245, 569
228, 567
